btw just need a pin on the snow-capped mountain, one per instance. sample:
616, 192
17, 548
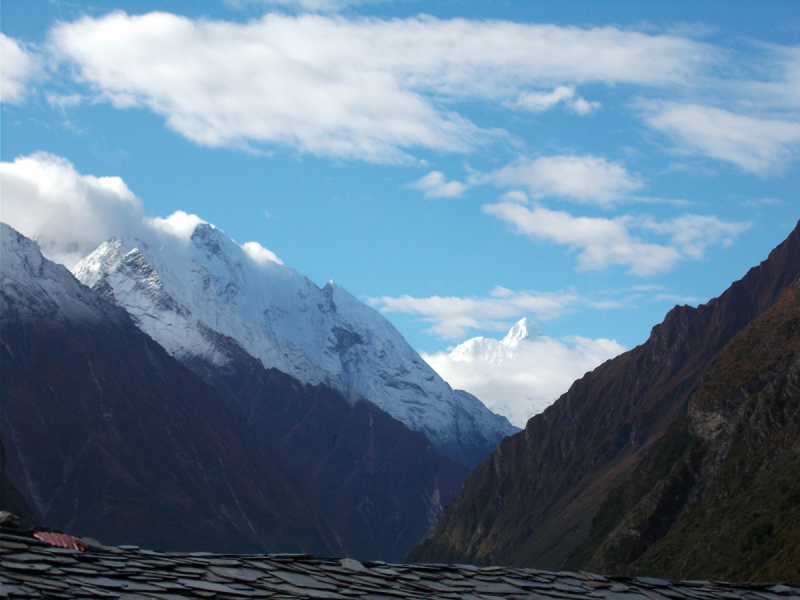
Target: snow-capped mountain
522, 374
496, 351
185, 293
34, 287
103, 431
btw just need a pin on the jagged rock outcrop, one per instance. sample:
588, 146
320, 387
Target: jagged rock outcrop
719, 495
531, 502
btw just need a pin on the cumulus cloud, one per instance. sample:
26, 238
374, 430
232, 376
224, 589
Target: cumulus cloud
520, 378
587, 179
434, 185
356, 88
541, 101
69, 214
18, 67
756, 145
45, 198
179, 224
605, 242
453, 316
260, 254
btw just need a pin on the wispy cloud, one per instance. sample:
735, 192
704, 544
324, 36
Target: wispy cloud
321, 6
587, 179
678, 299
18, 68
541, 101
434, 185
355, 88
605, 242
754, 144
453, 316
694, 233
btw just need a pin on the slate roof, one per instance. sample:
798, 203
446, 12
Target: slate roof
30, 568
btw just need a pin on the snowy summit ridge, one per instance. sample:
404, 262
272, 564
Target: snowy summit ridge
185, 293
495, 351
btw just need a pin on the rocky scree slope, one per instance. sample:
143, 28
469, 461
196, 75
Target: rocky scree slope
182, 292
107, 435
531, 502
719, 495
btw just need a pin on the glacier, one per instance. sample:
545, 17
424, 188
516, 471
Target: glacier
185, 292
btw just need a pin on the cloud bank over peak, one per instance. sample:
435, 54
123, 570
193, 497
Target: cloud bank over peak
70, 214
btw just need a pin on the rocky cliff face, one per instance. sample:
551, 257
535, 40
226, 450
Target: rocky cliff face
531, 502
106, 435
719, 496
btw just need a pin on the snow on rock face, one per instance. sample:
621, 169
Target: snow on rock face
494, 351
32, 287
182, 294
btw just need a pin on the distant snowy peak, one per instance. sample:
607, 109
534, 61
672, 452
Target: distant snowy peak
185, 293
524, 329
492, 350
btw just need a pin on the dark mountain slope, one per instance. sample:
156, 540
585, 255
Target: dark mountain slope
381, 485
10, 498
532, 501
719, 496
108, 436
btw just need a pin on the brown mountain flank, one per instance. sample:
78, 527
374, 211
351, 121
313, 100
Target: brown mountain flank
531, 503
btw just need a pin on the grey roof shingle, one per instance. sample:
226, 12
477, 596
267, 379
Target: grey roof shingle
30, 568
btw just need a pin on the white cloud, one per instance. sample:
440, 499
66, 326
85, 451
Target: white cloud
435, 186
260, 254
453, 316
679, 299
541, 101
521, 379
324, 6
179, 224
360, 88
602, 242
694, 233
587, 179
756, 145
605, 242
70, 214
18, 66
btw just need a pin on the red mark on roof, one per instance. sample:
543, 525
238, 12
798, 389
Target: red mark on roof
62, 540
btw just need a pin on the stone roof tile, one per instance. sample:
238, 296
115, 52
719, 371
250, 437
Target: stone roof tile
30, 568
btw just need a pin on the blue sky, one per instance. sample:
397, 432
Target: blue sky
459, 165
